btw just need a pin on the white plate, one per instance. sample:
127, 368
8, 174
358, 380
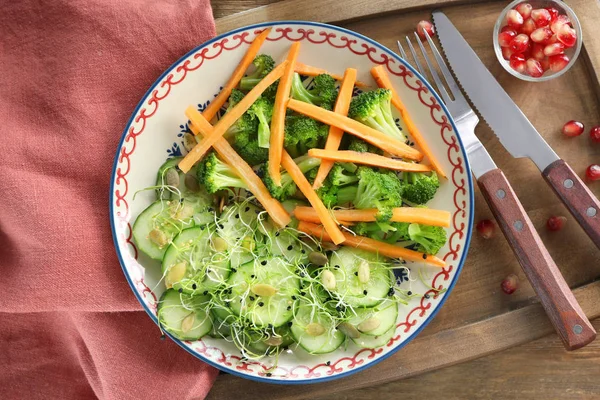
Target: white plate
155, 132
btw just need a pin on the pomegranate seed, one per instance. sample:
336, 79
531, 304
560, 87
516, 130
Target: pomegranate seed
545, 64
556, 223
528, 26
520, 43
486, 228
517, 62
558, 22
537, 51
553, 39
558, 62
510, 284
595, 134
553, 13
506, 53
567, 35
593, 172
504, 38
507, 28
573, 128
524, 9
541, 17
540, 35
514, 19
534, 68
554, 49
425, 26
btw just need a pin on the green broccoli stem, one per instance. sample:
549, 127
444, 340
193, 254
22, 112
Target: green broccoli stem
264, 130
299, 92
347, 194
248, 83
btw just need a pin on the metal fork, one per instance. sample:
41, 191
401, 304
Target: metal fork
557, 299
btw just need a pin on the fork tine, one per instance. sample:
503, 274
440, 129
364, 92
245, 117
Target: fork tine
401, 49
444, 68
414, 54
434, 74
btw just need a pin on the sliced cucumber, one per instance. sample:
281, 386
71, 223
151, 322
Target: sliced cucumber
262, 291
345, 264
169, 179
285, 243
377, 320
183, 316
192, 264
315, 331
258, 343
371, 342
236, 222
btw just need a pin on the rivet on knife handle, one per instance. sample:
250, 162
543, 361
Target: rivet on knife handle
580, 201
569, 320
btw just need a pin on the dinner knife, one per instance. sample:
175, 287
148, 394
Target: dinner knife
560, 304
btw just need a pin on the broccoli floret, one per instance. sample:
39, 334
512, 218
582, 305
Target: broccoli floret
340, 176
262, 110
246, 144
288, 187
361, 146
374, 109
323, 93
215, 175
246, 123
303, 133
389, 232
264, 64
380, 190
419, 187
429, 239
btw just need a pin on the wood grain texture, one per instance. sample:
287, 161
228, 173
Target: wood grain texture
581, 202
569, 320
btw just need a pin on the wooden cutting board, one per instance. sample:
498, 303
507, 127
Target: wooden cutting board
477, 319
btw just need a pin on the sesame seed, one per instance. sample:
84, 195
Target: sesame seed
264, 262
260, 303
365, 292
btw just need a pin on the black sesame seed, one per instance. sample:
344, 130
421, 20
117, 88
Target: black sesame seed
247, 209
302, 293
260, 304
328, 363
338, 308
269, 374
289, 308
276, 233
180, 290
252, 276
409, 293
252, 298
293, 297
233, 270
426, 295
205, 292
365, 292
237, 216
290, 247
356, 273
424, 256
336, 266
221, 226
290, 323
303, 251
264, 262
194, 286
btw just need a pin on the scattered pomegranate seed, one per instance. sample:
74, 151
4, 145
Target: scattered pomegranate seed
556, 223
553, 13
510, 284
567, 35
558, 22
558, 62
593, 172
524, 9
517, 62
514, 19
554, 49
504, 38
423, 26
537, 51
528, 26
507, 53
545, 64
541, 17
520, 43
540, 35
486, 228
534, 68
572, 128
595, 134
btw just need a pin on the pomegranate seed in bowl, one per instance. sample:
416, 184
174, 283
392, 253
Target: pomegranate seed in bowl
540, 35
507, 28
514, 19
520, 43
595, 134
553, 13
534, 68
507, 53
517, 61
541, 17
554, 49
593, 172
545, 64
572, 128
504, 38
423, 26
567, 35
528, 26
556, 223
524, 9
553, 39
558, 22
558, 62
537, 51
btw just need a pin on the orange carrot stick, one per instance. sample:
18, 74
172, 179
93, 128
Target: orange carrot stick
425, 216
383, 81
374, 160
376, 138
215, 105
246, 173
372, 245
228, 118
324, 217
342, 104
278, 118
308, 70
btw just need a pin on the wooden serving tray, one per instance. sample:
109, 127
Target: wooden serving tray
478, 319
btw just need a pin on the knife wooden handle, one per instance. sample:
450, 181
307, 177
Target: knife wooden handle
556, 297
574, 194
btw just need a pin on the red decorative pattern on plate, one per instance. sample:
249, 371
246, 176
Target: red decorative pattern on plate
320, 37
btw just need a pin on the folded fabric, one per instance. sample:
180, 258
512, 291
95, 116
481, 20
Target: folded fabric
71, 74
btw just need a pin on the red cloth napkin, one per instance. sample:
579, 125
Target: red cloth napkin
71, 73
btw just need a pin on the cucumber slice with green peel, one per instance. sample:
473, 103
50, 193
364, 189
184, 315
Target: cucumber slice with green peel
285, 243
258, 343
169, 179
375, 321
263, 291
372, 342
315, 331
192, 264
184, 316
220, 329
237, 221
157, 225
359, 290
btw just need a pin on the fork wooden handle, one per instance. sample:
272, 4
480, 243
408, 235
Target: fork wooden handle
569, 320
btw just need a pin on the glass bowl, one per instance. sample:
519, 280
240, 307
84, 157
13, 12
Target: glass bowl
572, 52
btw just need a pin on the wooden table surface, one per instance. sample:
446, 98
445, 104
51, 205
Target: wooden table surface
541, 369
